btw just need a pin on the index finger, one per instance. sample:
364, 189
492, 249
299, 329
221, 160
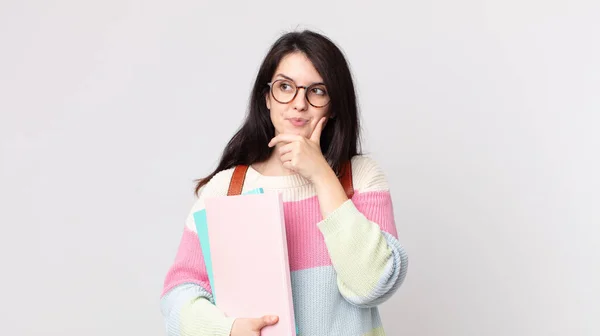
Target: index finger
284, 138
316, 134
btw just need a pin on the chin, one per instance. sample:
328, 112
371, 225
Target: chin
292, 130
296, 131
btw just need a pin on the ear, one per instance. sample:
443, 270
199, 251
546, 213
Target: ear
329, 114
268, 100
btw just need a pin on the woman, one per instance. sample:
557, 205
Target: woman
302, 129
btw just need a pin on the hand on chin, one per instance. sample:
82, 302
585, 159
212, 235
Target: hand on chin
301, 153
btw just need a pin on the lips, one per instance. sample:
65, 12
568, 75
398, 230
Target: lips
298, 122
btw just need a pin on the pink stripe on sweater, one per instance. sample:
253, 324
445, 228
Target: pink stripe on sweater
306, 246
189, 264
377, 207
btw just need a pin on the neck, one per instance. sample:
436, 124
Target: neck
273, 166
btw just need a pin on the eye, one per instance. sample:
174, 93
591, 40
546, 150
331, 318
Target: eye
319, 91
285, 86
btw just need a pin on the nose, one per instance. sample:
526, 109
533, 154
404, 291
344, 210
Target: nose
300, 102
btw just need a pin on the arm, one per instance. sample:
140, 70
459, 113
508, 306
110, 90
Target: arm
361, 237
186, 302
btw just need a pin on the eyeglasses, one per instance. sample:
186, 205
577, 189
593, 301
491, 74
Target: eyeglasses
284, 91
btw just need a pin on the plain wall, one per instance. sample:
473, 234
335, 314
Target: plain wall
484, 114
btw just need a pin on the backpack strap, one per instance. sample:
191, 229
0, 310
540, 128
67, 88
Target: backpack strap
237, 180
346, 179
239, 175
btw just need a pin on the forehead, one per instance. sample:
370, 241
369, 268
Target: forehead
299, 68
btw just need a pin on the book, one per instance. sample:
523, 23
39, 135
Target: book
202, 229
244, 244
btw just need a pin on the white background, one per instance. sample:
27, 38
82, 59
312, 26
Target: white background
484, 114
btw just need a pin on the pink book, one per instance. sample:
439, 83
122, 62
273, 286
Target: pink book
249, 257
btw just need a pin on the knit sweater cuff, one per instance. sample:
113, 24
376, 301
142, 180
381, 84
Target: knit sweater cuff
339, 219
223, 327
201, 317
359, 252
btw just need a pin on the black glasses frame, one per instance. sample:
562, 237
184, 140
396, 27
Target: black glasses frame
298, 87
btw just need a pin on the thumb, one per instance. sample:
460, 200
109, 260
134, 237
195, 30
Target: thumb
266, 320
316, 134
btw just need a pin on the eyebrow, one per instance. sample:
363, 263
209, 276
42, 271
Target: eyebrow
289, 78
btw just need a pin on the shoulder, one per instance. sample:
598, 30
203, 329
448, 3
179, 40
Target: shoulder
217, 186
368, 175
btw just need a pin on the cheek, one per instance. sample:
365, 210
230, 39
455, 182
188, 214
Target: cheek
277, 115
277, 119
319, 115
275, 112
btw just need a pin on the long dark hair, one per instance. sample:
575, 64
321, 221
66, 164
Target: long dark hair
340, 139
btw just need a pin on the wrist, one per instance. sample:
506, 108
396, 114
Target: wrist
328, 183
330, 192
324, 176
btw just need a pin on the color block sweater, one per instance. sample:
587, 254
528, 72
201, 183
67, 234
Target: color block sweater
342, 267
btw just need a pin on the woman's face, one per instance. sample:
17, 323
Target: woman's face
297, 116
